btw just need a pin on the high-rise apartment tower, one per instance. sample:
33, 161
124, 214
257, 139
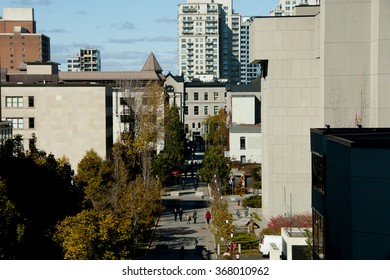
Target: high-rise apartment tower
87, 59
209, 40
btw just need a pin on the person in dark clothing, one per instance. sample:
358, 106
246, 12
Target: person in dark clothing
175, 212
180, 214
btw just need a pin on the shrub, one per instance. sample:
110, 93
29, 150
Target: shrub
253, 201
297, 220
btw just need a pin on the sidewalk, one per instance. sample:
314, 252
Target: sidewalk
170, 235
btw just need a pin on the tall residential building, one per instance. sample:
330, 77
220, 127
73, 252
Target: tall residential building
19, 42
330, 68
209, 40
87, 59
287, 6
248, 71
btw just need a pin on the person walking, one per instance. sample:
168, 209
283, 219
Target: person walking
180, 214
208, 216
188, 218
175, 212
194, 216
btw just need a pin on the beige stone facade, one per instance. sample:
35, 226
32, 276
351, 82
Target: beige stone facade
330, 68
66, 120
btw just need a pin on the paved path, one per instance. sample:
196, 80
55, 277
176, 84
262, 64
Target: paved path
170, 235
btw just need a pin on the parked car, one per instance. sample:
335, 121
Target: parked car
266, 240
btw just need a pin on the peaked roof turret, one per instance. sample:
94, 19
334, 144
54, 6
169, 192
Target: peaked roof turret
152, 64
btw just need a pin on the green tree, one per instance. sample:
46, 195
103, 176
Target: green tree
218, 131
174, 146
214, 168
11, 226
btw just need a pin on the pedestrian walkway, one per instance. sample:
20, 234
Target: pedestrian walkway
171, 235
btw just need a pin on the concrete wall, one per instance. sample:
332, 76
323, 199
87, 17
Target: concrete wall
243, 109
69, 120
290, 101
331, 68
252, 152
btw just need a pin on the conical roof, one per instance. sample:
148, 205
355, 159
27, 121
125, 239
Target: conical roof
152, 64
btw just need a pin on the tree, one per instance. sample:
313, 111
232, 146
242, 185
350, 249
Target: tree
215, 166
218, 131
174, 146
39, 198
12, 228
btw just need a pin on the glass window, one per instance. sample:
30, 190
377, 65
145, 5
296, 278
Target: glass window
216, 96
206, 110
216, 108
196, 96
16, 122
31, 123
242, 143
14, 102
318, 235
185, 110
196, 110
206, 96
318, 172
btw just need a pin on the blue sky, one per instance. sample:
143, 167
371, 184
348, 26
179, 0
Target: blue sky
125, 31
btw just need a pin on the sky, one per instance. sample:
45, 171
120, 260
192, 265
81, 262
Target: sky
125, 31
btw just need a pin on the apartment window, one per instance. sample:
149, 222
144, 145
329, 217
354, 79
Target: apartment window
185, 110
31, 102
243, 159
206, 96
206, 110
16, 122
14, 102
196, 110
122, 101
31, 123
216, 96
318, 235
199, 125
216, 108
318, 172
196, 96
193, 125
242, 143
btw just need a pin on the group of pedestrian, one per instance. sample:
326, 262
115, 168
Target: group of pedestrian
178, 211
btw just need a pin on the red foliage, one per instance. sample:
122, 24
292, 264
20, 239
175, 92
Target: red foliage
297, 220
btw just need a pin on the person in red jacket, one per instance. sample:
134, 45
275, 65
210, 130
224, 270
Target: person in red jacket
208, 216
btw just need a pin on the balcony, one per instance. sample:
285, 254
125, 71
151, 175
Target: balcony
187, 9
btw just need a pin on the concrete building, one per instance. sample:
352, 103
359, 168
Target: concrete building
288, 6
87, 59
244, 144
128, 86
350, 193
19, 42
244, 123
209, 39
311, 77
248, 71
66, 119
294, 243
201, 100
